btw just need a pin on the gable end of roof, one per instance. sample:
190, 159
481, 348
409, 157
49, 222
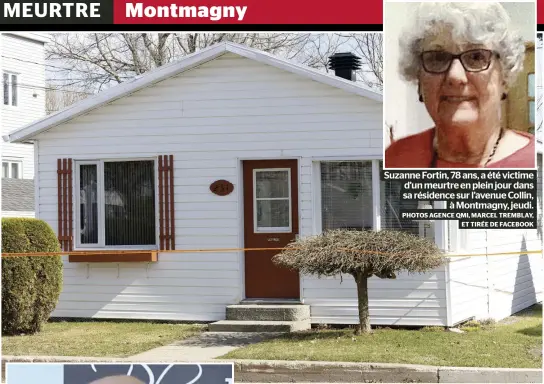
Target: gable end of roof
162, 73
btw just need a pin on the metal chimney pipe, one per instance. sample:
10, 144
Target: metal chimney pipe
344, 65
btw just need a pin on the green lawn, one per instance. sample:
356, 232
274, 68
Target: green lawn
97, 339
515, 342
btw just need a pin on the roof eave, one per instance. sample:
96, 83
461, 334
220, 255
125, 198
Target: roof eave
35, 36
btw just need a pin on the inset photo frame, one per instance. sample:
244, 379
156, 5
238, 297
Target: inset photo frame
459, 85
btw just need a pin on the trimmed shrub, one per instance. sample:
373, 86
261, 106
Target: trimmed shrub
362, 254
31, 285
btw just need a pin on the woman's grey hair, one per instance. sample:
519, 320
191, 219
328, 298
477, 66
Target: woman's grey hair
477, 22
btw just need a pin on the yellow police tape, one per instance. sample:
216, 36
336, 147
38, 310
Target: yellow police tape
214, 250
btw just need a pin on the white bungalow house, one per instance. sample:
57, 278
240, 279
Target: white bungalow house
233, 148
22, 59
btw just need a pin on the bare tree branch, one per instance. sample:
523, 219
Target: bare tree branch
100, 60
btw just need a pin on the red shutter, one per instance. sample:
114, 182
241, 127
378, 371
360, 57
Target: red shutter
166, 203
65, 218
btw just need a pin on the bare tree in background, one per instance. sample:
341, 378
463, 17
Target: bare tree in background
369, 46
99, 60
57, 99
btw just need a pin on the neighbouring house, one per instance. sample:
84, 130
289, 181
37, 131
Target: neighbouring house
22, 60
234, 148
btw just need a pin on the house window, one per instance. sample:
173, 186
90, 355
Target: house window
272, 200
10, 89
116, 202
12, 169
391, 203
518, 110
346, 195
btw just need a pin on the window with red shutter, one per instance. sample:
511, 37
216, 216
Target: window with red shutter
117, 207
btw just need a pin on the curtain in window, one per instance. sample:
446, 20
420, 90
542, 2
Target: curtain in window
6, 89
346, 195
391, 205
14, 90
129, 203
15, 171
88, 193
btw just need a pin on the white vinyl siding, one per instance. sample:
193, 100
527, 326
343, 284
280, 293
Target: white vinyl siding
209, 119
418, 299
496, 286
24, 58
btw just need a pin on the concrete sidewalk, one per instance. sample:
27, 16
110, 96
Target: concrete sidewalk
262, 371
204, 347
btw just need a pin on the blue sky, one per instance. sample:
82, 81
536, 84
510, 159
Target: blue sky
34, 373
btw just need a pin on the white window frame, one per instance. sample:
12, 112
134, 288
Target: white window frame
101, 245
440, 226
10, 88
19, 165
376, 211
258, 229
77, 178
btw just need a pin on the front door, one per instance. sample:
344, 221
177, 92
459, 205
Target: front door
270, 221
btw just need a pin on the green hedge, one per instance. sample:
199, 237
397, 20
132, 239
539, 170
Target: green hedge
31, 285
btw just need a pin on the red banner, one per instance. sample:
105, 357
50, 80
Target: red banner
247, 12
361, 14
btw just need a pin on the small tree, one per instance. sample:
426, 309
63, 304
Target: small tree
361, 254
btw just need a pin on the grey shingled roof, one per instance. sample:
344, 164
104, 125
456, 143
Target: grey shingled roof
17, 195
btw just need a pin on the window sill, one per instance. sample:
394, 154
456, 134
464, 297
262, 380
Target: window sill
150, 256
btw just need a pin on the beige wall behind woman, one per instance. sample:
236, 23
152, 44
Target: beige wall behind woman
402, 108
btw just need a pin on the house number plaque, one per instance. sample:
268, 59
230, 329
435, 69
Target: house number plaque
222, 187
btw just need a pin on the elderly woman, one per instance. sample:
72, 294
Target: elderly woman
463, 57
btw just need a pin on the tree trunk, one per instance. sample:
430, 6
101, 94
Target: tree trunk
362, 297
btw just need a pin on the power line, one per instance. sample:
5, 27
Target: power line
31, 86
35, 62
42, 87
63, 68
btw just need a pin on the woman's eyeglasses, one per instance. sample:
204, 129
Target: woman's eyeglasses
475, 60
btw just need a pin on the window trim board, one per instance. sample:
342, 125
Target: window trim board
101, 212
151, 256
11, 161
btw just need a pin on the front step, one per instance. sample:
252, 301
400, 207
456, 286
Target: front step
260, 312
260, 317
259, 326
